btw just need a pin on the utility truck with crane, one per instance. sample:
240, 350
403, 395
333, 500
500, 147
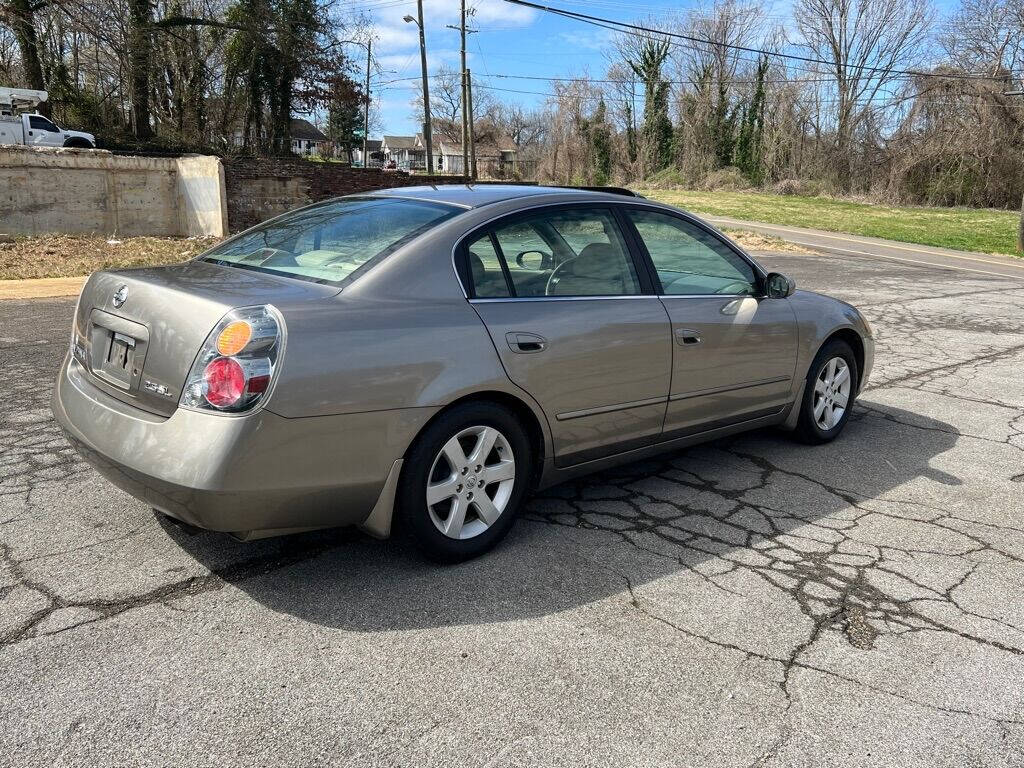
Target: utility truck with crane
20, 124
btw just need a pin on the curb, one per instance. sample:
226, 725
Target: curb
42, 288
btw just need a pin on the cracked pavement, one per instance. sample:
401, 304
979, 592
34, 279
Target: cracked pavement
747, 602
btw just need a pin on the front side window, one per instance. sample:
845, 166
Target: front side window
574, 252
37, 123
690, 260
330, 241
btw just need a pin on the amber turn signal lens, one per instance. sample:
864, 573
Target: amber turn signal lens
233, 338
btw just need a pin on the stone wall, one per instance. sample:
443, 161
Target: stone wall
46, 190
259, 188
72, 191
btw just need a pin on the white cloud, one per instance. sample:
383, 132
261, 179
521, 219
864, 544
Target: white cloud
396, 47
589, 40
507, 13
395, 38
393, 34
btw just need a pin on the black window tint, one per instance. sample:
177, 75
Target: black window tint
568, 252
690, 260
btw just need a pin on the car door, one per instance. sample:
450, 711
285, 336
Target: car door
734, 350
576, 325
43, 133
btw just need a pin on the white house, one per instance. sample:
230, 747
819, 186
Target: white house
404, 152
498, 159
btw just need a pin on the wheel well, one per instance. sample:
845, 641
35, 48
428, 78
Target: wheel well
523, 413
78, 143
852, 338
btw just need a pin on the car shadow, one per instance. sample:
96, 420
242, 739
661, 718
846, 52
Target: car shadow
726, 501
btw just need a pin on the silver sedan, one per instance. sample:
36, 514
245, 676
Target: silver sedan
426, 357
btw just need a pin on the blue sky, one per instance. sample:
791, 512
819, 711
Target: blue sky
512, 40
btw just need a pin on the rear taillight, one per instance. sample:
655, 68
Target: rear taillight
235, 367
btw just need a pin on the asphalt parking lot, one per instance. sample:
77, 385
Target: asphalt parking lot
747, 602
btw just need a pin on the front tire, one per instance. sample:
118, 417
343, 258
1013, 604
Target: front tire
828, 394
464, 481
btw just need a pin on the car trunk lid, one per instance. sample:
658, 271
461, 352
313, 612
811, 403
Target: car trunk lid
137, 332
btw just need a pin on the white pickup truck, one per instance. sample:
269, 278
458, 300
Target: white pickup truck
34, 130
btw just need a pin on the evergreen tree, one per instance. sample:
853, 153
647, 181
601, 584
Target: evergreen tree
749, 156
601, 145
657, 127
632, 149
345, 107
723, 128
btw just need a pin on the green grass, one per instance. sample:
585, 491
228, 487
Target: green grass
967, 229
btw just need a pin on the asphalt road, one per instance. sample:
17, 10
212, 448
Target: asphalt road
748, 602
837, 243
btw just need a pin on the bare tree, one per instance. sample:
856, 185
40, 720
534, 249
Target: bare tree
864, 44
525, 129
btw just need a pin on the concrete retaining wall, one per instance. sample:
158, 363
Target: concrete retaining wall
71, 191
44, 190
202, 203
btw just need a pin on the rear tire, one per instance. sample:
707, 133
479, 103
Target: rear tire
463, 482
829, 394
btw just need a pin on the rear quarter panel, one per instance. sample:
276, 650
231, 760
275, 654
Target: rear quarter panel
401, 336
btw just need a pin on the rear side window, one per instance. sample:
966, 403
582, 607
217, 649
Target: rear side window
328, 242
574, 252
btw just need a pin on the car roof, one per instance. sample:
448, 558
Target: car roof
476, 195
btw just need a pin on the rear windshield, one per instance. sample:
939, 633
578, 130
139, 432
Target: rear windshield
328, 242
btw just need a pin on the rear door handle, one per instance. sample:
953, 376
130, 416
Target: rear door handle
522, 342
687, 336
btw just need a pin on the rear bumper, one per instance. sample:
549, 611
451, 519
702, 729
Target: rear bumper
254, 473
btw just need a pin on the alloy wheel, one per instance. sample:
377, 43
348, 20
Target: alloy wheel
470, 482
831, 393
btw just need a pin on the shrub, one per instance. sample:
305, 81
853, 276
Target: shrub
727, 179
801, 187
788, 187
667, 178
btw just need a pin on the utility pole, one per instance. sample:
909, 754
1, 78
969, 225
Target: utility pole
464, 95
1020, 226
472, 131
426, 88
465, 113
366, 107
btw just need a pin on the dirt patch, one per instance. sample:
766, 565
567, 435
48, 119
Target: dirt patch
754, 241
23, 258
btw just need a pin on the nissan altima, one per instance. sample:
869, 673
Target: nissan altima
427, 357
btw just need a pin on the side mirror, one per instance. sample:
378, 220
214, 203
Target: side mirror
533, 260
778, 286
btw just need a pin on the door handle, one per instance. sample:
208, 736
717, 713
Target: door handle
687, 336
522, 342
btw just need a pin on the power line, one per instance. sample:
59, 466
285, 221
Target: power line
588, 81
627, 28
